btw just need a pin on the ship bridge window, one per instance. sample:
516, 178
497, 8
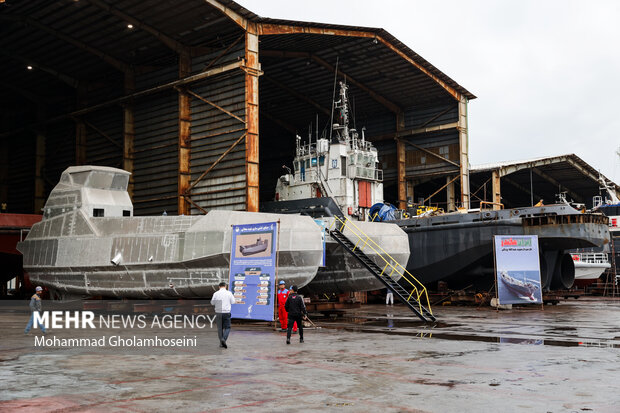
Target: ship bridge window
307, 163
126, 213
321, 160
313, 162
120, 182
98, 212
343, 165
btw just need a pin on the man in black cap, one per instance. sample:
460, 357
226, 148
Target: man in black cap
296, 310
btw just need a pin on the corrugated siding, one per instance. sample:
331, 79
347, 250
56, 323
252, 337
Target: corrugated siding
416, 117
213, 132
99, 149
156, 146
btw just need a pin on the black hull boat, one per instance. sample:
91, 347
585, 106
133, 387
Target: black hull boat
458, 248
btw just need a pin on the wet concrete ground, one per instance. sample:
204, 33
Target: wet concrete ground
377, 358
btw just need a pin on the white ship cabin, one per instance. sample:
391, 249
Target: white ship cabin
99, 191
345, 169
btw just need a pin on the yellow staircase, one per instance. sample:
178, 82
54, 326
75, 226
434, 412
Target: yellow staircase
394, 276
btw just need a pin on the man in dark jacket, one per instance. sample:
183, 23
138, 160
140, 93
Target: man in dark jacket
296, 310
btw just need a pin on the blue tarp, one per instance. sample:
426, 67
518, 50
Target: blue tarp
382, 212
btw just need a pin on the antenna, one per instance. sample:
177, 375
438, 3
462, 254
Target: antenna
317, 127
331, 119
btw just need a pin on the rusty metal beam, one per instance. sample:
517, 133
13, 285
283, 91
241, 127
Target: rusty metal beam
129, 131
440, 189
374, 95
464, 152
277, 29
214, 164
188, 199
401, 163
436, 155
416, 131
197, 96
581, 169
233, 15
98, 131
450, 195
39, 168
184, 148
298, 95
112, 61
252, 72
496, 197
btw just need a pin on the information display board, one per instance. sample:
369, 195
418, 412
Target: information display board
517, 266
253, 270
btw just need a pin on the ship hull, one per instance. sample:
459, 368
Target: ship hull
162, 257
458, 248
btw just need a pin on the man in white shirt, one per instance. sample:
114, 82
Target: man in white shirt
222, 301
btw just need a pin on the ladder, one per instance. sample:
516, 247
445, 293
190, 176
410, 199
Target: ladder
412, 299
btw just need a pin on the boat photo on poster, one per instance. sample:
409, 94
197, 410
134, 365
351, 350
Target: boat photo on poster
517, 269
252, 270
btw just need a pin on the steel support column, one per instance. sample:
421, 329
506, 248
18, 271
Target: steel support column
39, 181
128, 130
184, 144
401, 163
464, 152
497, 190
450, 195
252, 72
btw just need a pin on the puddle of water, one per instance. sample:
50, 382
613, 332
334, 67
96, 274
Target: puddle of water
486, 339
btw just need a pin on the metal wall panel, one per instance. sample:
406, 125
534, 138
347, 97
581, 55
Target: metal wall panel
213, 132
102, 150
155, 145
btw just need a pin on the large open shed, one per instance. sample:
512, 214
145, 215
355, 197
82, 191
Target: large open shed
201, 100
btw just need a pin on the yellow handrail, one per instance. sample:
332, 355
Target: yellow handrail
418, 288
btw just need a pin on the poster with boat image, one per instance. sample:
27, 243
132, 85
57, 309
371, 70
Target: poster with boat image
517, 267
253, 269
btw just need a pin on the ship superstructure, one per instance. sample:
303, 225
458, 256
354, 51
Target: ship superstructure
343, 167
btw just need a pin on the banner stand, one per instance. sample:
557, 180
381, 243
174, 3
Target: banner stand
253, 269
517, 269
495, 277
276, 318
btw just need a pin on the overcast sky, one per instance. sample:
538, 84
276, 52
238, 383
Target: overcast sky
546, 73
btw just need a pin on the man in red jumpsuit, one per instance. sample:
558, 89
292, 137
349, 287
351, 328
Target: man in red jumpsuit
282, 314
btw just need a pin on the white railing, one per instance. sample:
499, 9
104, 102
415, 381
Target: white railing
591, 257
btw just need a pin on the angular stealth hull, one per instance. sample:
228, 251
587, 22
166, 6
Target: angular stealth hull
76, 251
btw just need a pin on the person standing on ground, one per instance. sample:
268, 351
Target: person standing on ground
283, 294
35, 305
389, 297
296, 312
222, 301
